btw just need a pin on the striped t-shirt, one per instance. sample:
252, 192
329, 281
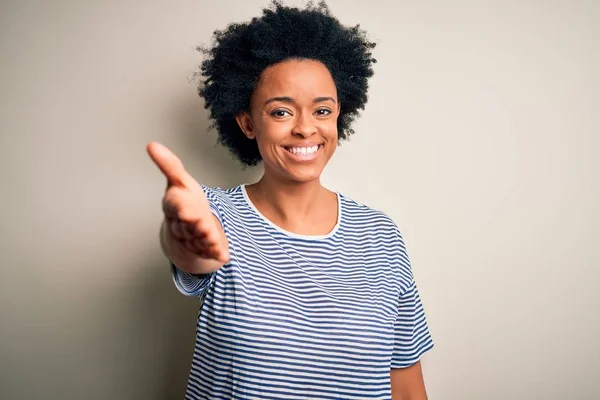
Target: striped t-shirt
304, 317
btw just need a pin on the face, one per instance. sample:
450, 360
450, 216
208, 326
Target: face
293, 118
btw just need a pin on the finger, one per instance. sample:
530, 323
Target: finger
189, 246
169, 206
170, 165
204, 243
206, 250
214, 251
203, 231
187, 230
199, 245
221, 255
175, 229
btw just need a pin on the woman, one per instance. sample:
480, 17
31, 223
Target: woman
306, 293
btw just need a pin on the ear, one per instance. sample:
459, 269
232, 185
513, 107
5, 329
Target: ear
244, 120
339, 109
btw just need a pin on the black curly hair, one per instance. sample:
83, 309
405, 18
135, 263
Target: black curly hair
242, 51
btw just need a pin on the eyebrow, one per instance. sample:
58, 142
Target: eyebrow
287, 99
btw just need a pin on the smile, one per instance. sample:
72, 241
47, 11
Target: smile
303, 153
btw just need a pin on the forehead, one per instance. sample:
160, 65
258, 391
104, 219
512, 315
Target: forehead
296, 78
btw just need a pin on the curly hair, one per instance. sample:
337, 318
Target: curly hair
242, 51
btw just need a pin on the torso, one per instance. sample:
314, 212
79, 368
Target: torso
295, 316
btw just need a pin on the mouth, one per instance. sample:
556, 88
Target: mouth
303, 153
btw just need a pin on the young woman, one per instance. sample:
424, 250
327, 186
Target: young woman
305, 293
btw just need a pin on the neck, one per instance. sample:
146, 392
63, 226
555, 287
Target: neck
288, 200
299, 207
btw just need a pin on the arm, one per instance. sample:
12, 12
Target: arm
191, 236
407, 383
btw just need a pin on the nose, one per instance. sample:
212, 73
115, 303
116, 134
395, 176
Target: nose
305, 126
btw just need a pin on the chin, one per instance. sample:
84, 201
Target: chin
306, 179
305, 176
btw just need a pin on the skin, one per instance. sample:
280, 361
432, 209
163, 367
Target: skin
295, 104
190, 235
407, 383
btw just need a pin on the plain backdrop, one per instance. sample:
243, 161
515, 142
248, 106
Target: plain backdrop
480, 140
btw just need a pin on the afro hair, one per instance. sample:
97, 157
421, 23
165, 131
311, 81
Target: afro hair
242, 51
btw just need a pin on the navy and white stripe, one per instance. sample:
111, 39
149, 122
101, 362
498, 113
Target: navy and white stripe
304, 317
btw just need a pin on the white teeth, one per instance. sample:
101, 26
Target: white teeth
304, 150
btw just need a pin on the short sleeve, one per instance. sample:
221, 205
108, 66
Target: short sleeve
411, 333
191, 284
215, 204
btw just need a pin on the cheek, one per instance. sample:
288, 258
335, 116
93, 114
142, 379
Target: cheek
333, 146
331, 129
269, 135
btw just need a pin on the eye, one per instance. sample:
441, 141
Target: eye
280, 113
322, 112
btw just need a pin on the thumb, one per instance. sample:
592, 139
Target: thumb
170, 165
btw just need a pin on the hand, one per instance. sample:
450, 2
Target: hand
192, 228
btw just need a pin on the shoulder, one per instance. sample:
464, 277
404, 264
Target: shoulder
362, 214
226, 204
379, 231
220, 195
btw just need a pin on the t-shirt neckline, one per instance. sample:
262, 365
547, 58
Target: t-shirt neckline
292, 234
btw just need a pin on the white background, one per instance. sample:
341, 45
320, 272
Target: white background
480, 139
